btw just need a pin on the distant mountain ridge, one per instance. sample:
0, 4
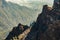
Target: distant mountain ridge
11, 14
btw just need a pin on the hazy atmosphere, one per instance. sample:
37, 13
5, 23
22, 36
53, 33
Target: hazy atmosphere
26, 2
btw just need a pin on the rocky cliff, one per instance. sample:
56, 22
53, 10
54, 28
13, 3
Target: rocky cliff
17, 32
47, 26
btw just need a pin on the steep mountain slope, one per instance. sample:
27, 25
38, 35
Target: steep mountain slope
47, 25
11, 14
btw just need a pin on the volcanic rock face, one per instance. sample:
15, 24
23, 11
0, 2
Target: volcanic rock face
47, 26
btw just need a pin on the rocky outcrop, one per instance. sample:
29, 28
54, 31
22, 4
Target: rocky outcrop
24, 34
16, 31
47, 25
40, 24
